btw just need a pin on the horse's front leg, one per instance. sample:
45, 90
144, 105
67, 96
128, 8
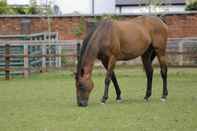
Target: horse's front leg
106, 90
109, 65
116, 86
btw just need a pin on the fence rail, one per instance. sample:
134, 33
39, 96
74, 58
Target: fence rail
24, 57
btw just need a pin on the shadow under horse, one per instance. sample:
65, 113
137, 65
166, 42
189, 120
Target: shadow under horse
112, 41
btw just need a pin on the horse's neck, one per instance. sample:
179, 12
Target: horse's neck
88, 64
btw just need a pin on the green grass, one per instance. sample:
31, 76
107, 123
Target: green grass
46, 102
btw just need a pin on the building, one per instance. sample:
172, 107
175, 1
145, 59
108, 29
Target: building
149, 6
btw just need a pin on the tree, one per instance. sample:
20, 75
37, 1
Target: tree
5, 8
32, 8
192, 5
155, 6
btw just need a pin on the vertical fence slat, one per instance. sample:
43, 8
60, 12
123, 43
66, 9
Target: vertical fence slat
26, 60
44, 67
58, 57
7, 61
181, 55
78, 50
78, 53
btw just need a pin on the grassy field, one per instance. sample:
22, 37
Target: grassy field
46, 102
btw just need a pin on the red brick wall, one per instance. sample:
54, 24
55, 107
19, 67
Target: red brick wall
180, 25
63, 25
9, 26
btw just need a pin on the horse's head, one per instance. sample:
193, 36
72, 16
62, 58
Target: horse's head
84, 86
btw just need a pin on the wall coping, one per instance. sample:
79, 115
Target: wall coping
89, 15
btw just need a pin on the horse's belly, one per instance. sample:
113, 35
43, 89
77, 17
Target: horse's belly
128, 56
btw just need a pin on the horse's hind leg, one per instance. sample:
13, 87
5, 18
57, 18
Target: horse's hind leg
147, 59
160, 43
163, 66
117, 88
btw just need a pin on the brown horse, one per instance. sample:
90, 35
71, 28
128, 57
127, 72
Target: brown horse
122, 40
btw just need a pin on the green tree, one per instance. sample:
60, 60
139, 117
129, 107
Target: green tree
80, 29
33, 8
5, 8
192, 5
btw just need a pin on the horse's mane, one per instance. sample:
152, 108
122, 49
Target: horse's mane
86, 43
82, 50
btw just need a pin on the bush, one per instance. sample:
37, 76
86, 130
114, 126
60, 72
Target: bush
5, 8
192, 6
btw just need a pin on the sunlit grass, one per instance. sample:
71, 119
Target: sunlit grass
46, 102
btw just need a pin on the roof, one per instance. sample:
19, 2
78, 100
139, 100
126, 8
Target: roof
144, 2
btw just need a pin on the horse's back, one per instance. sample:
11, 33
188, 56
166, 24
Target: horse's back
136, 35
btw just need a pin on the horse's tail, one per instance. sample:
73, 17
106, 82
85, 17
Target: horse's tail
162, 17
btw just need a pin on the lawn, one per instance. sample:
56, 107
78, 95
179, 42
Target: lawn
46, 102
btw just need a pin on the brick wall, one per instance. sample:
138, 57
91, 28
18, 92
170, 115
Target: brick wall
180, 25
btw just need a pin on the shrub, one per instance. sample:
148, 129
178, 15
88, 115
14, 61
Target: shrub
192, 6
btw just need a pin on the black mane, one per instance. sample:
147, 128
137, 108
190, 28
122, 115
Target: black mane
82, 50
101, 25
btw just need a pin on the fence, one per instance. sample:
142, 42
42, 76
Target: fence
182, 52
24, 57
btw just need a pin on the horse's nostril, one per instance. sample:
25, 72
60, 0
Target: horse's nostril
83, 103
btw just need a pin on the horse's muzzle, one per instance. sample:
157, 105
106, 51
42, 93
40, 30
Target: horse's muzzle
82, 102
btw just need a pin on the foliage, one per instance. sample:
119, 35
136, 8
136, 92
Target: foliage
79, 30
106, 17
154, 2
33, 8
5, 8
192, 5
155, 6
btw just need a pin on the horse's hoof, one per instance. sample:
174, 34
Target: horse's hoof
119, 100
163, 99
102, 103
146, 99
103, 100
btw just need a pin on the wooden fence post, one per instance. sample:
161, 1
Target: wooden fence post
58, 61
44, 67
78, 53
181, 53
7, 61
26, 60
